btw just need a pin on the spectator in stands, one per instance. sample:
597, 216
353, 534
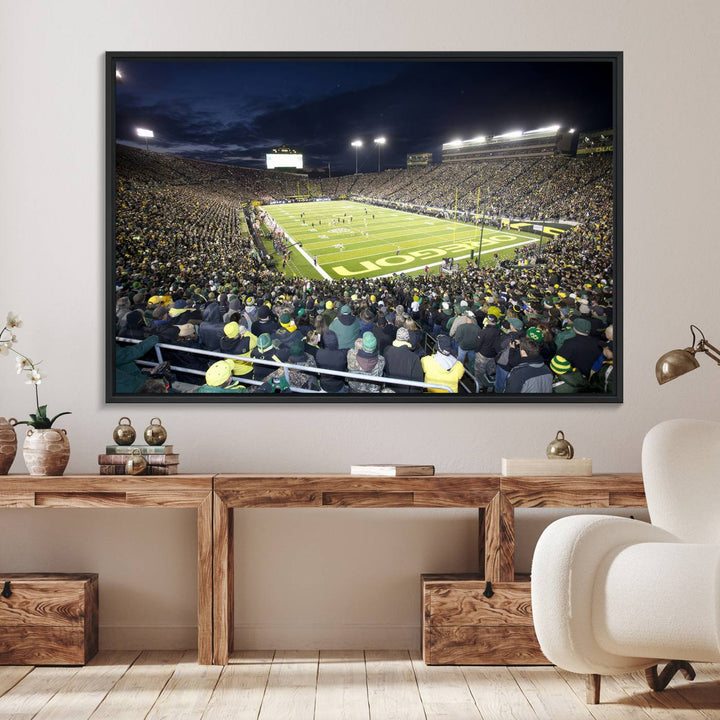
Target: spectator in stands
128, 376
402, 363
363, 359
442, 367
507, 355
219, 379
487, 344
568, 380
331, 357
264, 350
347, 328
582, 350
383, 332
264, 322
531, 374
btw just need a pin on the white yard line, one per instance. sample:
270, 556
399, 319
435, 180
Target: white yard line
304, 254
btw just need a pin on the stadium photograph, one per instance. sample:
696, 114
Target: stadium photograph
366, 227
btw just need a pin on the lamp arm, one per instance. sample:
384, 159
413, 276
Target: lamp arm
709, 350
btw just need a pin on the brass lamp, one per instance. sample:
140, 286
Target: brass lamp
677, 362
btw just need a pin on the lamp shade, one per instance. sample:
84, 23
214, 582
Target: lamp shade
675, 363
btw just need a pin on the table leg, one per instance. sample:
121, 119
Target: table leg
205, 587
499, 545
223, 581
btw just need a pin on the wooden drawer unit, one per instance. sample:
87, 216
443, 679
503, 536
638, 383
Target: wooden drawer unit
48, 619
462, 626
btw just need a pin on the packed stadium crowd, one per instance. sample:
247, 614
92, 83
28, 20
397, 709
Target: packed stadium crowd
189, 274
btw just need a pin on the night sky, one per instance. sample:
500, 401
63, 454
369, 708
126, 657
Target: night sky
235, 111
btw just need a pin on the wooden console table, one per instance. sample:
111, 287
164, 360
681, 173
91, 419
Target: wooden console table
495, 497
127, 491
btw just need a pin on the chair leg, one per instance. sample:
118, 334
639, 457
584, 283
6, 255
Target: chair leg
660, 682
592, 689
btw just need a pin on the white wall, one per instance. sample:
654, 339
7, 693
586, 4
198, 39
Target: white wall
330, 578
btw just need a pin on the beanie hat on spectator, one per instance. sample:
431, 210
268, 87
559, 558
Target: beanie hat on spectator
560, 365
286, 320
263, 312
179, 304
232, 330
219, 373
535, 333
515, 323
367, 315
249, 302
369, 342
264, 342
581, 326
444, 344
329, 305
297, 348
403, 335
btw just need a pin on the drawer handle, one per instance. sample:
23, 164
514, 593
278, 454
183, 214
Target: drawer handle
6, 592
488, 592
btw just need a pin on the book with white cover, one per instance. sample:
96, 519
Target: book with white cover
392, 470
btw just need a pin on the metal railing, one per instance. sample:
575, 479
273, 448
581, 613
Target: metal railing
286, 368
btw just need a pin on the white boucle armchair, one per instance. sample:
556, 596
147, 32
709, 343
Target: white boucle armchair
614, 595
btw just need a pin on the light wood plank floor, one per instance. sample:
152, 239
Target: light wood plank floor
350, 685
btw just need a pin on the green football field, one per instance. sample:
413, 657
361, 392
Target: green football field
344, 239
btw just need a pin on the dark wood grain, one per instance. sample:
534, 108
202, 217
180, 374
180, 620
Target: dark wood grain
367, 499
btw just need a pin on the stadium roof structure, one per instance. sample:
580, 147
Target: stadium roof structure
549, 140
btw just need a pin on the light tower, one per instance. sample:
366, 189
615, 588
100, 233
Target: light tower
379, 141
356, 144
143, 133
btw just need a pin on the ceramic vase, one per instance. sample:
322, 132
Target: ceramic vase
8, 444
47, 451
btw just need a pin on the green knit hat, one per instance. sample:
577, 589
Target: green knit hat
369, 342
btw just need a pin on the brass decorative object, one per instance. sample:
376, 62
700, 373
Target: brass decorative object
124, 434
155, 434
560, 448
678, 362
8, 444
136, 463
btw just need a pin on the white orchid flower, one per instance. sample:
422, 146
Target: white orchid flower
35, 377
23, 364
13, 320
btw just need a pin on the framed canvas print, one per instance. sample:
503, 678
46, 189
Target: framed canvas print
364, 227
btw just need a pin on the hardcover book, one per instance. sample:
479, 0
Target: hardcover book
392, 470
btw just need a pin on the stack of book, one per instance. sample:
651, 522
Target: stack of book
160, 459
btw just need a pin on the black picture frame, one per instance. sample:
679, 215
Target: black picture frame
612, 59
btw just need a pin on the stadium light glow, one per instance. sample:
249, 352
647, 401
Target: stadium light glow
379, 141
144, 133
572, 130
118, 74
511, 134
479, 139
356, 144
455, 142
549, 128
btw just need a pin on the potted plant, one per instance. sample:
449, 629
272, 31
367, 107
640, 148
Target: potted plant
46, 449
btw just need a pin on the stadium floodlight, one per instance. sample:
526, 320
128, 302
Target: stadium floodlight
572, 130
379, 141
549, 128
510, 135
456, 142
118, 74
144, 133
356, 144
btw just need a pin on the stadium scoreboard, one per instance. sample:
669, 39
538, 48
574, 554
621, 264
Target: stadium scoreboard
283, 157
419, 159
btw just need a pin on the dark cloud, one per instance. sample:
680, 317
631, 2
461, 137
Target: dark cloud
317, 108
